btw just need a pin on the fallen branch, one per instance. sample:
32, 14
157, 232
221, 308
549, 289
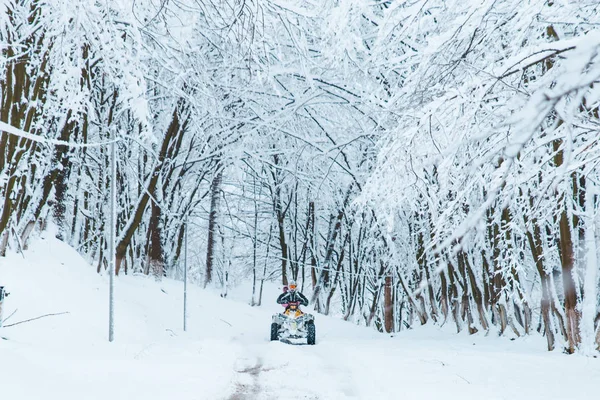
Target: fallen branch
33, 319
6, 319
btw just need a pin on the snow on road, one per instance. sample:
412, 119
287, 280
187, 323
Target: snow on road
226, 353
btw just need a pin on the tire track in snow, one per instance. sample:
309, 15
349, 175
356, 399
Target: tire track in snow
248, 390
272, 370
266, 370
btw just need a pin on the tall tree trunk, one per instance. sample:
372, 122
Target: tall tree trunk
334, 230
60, 177
496, 281
453, 294
422, 261
338, 270
570, 293
535, 245
444, 295
213, 225
254, 245
567, 257
312, 244
280, 214
155, 250
388, 306
417, 307
477, 296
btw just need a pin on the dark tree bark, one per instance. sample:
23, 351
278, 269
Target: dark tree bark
567, 257
312, 243
155, 248
388, 306
21, 92
280, 215
477, 295
213, 226
570, 294
338, 269
422, 261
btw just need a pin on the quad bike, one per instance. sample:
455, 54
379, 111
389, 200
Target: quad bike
293, 325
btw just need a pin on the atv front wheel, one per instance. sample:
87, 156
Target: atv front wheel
274, 331
311, 337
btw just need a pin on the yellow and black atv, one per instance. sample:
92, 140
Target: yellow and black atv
293, 326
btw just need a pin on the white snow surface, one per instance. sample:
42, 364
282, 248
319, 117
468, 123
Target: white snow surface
226, 352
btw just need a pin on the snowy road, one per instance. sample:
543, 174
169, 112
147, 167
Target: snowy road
226, 354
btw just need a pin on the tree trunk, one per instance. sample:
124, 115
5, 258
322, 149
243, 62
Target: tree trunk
155, 250
477, 296
419, 309
422, 261
335, 226
388, 306
213, 226
312, 244
444, 295
253, 302
567, 257
534, 237
568, 262
60, 178
338, 269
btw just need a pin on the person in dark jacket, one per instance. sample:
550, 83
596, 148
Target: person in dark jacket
285, 290
292, 296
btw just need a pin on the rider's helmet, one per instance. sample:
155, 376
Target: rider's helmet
292, 285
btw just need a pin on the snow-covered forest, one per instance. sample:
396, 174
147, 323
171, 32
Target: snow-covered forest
407, 162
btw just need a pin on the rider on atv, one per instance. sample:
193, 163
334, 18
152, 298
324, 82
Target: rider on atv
292, 298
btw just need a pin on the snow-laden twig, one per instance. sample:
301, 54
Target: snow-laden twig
6, 319
26, 135
33, 319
